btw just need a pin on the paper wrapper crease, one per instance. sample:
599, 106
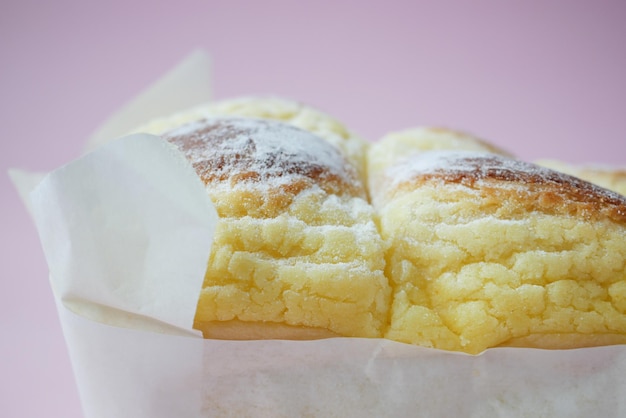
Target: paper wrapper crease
127, 231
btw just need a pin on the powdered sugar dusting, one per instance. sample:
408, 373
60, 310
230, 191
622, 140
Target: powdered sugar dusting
479, 170
259, 153
470, 167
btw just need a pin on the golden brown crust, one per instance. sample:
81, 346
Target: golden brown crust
287, 111
487, 251
399, 146
535, 188
607, 176
266, 163
296, 253
258, 285
240, 165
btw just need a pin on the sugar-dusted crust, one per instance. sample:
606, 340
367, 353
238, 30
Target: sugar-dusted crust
607, 176
288, 111
262, 164
462, 248
398, 146
296, 251
527, 186
485, 251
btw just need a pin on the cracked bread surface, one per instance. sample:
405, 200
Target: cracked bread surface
297, 254
291, 112
607, 176
458, 250
397, 146
488, 251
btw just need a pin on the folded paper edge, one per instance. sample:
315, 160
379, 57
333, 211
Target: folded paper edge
33, 196
110, 316
25, 182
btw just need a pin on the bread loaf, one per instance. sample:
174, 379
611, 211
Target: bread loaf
429, 236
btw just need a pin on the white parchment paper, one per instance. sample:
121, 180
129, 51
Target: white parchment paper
130, 373
127, 231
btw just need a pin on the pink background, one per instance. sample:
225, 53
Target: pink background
541, 79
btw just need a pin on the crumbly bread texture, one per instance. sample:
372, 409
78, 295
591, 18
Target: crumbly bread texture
488, 251
297, 253
609, 177
460, 247
401, 145
287, 111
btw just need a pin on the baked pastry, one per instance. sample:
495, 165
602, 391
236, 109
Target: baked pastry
488, 251
609, 177
400, 145
287, 111
297, 254
466, 248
